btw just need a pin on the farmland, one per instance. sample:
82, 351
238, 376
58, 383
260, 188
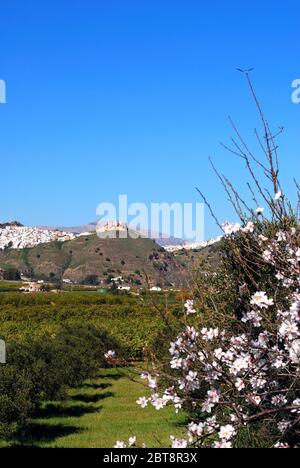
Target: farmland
99, 407
129, 319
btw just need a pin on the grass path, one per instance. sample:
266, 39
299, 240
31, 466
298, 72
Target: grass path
99, 413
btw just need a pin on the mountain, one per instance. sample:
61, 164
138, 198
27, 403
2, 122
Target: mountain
90, 258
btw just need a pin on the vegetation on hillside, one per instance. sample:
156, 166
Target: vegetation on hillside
101, 259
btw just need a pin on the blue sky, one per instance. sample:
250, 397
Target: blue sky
112, 97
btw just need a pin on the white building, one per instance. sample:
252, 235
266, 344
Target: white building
31, 287
124, 288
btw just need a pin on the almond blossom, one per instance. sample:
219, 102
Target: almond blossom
261, 300
242, 371
110, 355
189, 306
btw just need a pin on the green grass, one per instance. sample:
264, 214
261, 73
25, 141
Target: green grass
99, 413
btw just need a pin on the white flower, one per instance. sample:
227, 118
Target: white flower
189, 305
255, 399
239, 365
289, 330
131, 441
120, 444
296, 403
177, 403
279, 400
110, 355
211, 334
191, 376
207, 407
253, 317
152, 383
222, 445
295, 352
263, 339
281, 445
283, 426
239, 384
218, 353
231, 228
260, 299
278, 195
278, 363
142, 401
258, 382
191, 333
281, 236
196, 429
249, 228
227, 432
169, 394
176, 363
178, 443
267, 256
158, 403
213, 396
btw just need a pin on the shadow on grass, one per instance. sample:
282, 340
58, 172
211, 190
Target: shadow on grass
44, 432
96, 386
60, 411
105, 376
38, 432
91, 398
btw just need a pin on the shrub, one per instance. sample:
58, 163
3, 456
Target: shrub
15, 400
44, 364
84, 347
12, 274
91, 280
44, 369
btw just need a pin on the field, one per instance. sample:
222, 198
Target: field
130, 320
101, 410
99, 413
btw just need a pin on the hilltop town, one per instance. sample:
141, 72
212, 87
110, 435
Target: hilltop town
192, 246
21, 237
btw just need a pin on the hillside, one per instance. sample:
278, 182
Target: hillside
92, 227
89, 258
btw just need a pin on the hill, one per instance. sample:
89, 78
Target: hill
92, 227
89, 259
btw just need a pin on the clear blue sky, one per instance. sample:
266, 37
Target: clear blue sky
132, 96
